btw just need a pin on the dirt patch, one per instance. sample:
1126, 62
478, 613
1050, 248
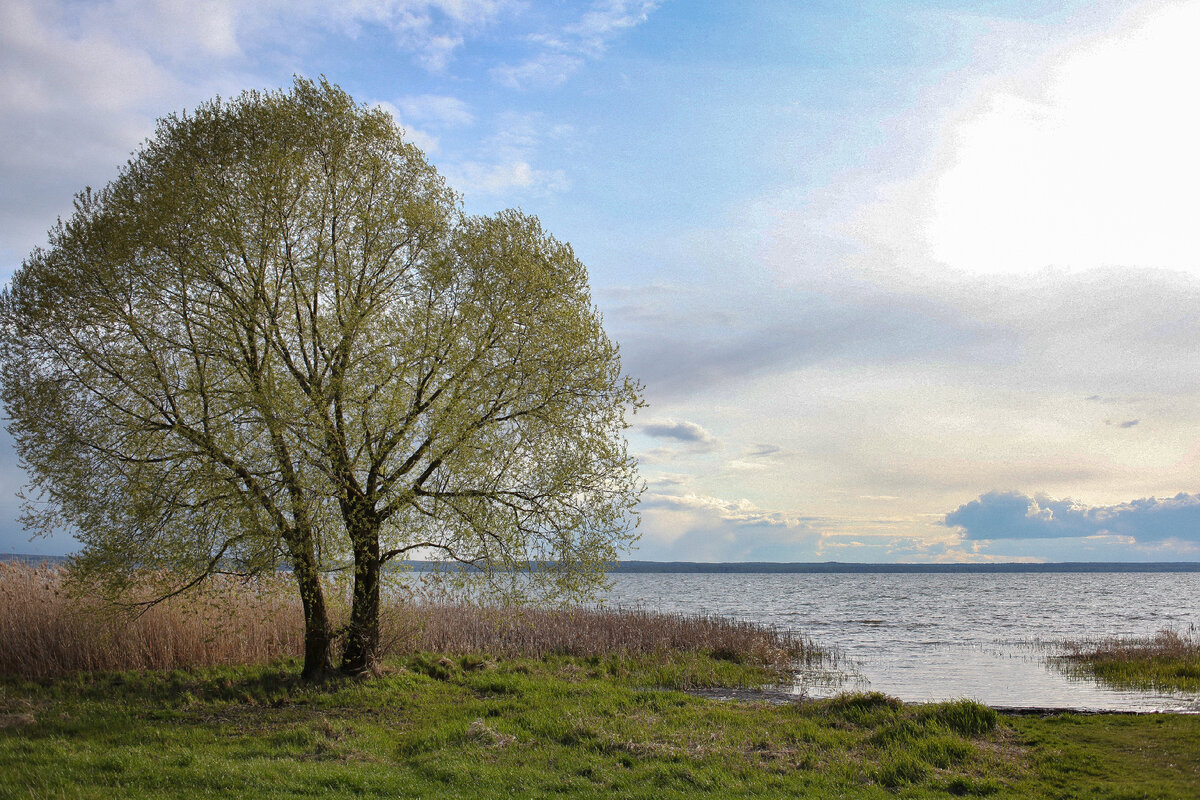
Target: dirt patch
17, 720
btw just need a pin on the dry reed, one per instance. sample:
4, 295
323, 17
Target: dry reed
1166, 644
463, 628
47, 631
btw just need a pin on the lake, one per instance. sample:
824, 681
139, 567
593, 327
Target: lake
923, 637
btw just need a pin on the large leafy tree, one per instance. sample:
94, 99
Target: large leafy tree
275, 337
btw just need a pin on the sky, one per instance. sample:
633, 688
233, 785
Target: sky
904, 280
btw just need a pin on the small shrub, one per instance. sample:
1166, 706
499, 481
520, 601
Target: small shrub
474, 661
479, 732
902, 733
728, 654
437, 667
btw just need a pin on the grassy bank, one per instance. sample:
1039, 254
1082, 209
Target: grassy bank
470, 727
1167, 661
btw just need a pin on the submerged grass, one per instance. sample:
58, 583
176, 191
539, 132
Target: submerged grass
1168, 661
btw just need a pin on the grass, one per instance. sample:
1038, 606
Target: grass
1167, 661
617, 726
436, 726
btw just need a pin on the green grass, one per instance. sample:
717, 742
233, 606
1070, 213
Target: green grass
1110, 756
556, 727
1165, 673
1167, 662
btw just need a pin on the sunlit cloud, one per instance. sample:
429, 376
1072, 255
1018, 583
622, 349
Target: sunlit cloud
1099, 167
742, 511
699, 527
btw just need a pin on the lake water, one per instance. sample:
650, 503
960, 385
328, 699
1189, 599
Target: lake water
923, 637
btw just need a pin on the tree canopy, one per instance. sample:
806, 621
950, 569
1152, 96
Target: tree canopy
275, 338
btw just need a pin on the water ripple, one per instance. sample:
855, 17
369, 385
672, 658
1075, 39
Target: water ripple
925, 637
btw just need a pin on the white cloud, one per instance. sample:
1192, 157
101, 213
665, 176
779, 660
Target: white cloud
1099, 168
177, 31
741, 512
81, 84
482, 179
608, 18
563, 52
432, 30
701, 527
73, 102
698, 527
506, 162
434, 109
759, 458
47, 67
545, 71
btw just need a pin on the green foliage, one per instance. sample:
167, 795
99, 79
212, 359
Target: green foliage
962, 787
275, 337
870, 708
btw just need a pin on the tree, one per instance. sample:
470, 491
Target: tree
275, 336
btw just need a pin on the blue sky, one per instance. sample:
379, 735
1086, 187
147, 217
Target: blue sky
905, 281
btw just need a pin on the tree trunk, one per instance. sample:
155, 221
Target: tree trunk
362, 638
318, 639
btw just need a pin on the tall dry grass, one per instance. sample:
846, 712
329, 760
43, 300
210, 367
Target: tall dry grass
46, 631
463, 628
1164, 644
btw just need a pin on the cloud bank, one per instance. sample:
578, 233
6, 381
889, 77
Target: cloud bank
1013, 515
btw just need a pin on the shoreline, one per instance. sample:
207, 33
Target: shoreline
633, 567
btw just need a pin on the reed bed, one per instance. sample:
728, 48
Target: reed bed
1167, 661
47, 630
464, 629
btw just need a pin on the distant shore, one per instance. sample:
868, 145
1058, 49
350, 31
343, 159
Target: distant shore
846, 567
822, 567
